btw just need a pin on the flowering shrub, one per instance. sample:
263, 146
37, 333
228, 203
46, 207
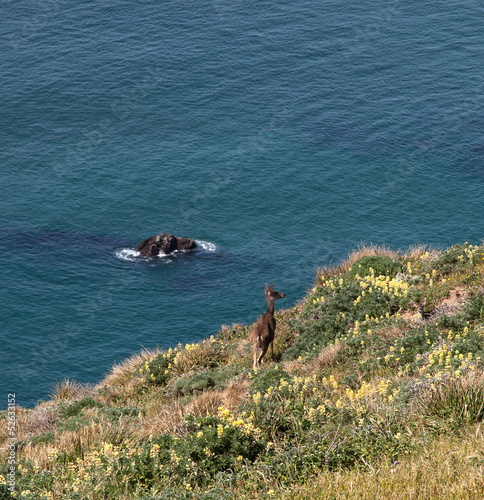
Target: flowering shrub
475, 309
211, 445
459, 257
156, 370
341, 302
333, 425
175, 362
362, 381
216, 444
378, 265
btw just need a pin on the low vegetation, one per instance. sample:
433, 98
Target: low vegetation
369, 398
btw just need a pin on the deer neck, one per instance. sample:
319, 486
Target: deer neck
270, 305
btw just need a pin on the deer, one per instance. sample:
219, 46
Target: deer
421, 309
265, 328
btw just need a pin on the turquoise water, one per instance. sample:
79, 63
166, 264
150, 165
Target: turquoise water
280, 135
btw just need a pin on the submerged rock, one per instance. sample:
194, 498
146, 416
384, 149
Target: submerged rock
164, 243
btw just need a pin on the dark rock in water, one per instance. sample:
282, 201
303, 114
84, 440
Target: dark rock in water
164, 243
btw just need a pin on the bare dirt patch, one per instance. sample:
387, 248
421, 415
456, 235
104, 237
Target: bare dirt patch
449, 306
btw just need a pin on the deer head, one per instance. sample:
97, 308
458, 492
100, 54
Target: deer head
272, 294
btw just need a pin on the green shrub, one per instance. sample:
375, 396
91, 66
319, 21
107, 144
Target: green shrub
216, 378
72, 424
405, 353
76, 408
300, 463
335, 439
456, 322
315, 334
375, 305
191, 384
269, 377
114, 413
458, 258
26, 479
352, 380
211, 446
5, 494
210, 353
381, 265
457, 401
156, 370
343, 303
44, 438
474, 310
415, 342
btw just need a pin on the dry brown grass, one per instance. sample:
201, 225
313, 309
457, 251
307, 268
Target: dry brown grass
21, 421
455, 301
294, 366
163, 417
327, 357
243, 349
82, 438
205, 404
70, 390
38, 455
40, 420
326, 272
29, 423
208, 402
208, 353
390, 332
416, 252
121, 375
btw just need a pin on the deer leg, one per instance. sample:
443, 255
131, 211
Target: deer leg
255, 348
272, 351
263, 353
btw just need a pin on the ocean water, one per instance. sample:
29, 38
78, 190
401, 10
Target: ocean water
279, 135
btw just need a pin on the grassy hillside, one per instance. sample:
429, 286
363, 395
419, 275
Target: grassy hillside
368, 398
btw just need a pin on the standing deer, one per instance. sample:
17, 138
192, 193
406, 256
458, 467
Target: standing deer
265, 327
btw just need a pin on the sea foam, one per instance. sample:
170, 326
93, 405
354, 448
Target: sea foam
206, 245
127, 254
131, 255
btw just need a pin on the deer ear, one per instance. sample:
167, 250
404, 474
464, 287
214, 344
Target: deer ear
266, 288
272, 287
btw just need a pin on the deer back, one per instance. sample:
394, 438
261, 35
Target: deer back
264, 328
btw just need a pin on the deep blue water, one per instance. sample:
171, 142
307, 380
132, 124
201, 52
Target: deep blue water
281, 134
